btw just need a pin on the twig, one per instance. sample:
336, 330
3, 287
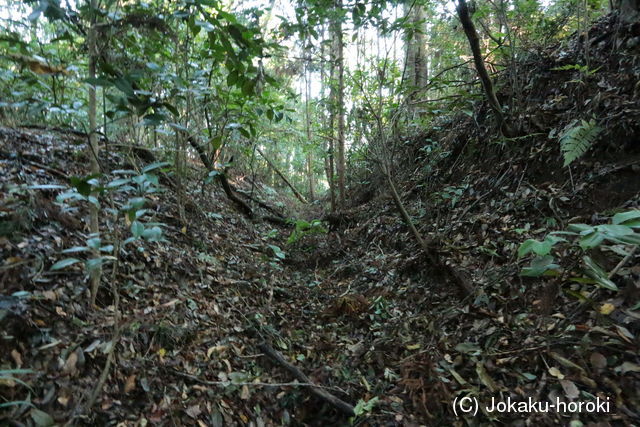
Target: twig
255, 384
116, 331
341, 405
623, 262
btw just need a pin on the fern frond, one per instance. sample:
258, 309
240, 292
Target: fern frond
578, 139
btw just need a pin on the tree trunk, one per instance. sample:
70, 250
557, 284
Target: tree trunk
416, 73
629, 10
94, 228
310, 145
485, 79
329, 145
338, 100
228, 190
341, 163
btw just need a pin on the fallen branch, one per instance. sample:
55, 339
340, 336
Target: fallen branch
261, 203
27, 158
284, 178
427, 245
319, 391
243, 383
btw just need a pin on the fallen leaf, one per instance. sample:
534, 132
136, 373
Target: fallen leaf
607, 308
625, 334
50, 295
244, 393
570, 389
130, 384
69, 367
566, 362
598, 361
194, 411
629, 367
216, 349
556, 372
485, 378
17, 358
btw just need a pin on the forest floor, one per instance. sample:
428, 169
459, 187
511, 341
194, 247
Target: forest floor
358, 309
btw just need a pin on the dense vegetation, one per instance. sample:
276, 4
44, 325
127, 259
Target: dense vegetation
395, 204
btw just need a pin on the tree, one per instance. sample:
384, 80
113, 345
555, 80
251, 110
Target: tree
474, 41
93, 148
629, 10
416, 70
337, 91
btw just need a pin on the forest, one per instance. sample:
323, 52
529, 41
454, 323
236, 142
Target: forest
319, 212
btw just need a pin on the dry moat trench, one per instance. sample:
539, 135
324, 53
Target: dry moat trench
360, 310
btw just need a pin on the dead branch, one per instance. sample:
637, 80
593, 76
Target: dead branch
228, 189
284, 178
341, 405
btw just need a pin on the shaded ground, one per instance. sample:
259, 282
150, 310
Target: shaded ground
357, 309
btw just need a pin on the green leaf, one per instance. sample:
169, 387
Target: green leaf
41, 418
137, 228
94, 242
46, 187
468, 348
591, 240
118, 182
539, 266
64, 263
154, 166
363, 407
598, 274
277, 252
579, 228
94, 264
244, 132
539, 248
82, 185
615, 230
153, 234
99, 82
15, 403
623, 217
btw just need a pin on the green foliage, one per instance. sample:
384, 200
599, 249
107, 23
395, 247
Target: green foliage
364, 407
304, 228
277, 253
577, 138
623, 230
452, 194
134, 188
583, 69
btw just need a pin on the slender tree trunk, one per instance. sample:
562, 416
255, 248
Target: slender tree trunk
485, 79
340, 160
94, 228
329, 142
309, 144
416, 73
